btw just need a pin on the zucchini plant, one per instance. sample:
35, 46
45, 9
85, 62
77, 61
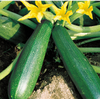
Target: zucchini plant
29, 63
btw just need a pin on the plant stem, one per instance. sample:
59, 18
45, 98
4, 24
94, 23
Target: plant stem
95, 4
88, 41
63, 23
69, 4
89, 49
4, 3
74, 7
92, 1
96, 11
75, 16
8, 70
16, 17
96, 69
79, 35
82, 29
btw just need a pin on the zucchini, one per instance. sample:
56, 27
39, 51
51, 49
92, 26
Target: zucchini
82, 74
28, 66
12, 31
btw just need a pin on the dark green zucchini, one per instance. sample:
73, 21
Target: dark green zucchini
82, 74
12, 30
28, 66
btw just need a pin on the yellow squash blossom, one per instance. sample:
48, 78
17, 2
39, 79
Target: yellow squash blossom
35, 11
85, 9
61, 13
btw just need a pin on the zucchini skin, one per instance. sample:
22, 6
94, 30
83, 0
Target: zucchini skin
82, 74
28, 66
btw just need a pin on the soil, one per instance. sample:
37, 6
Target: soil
54, 81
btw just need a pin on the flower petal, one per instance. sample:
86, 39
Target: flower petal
38, 3
69, 13
57, 17
87, 3
89, 12
29, 15
28, 6
91, 8
63, 8
57, 11
90, 15
80, 11
44, 7
39, 17
68, 20
66, 17
80, 5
